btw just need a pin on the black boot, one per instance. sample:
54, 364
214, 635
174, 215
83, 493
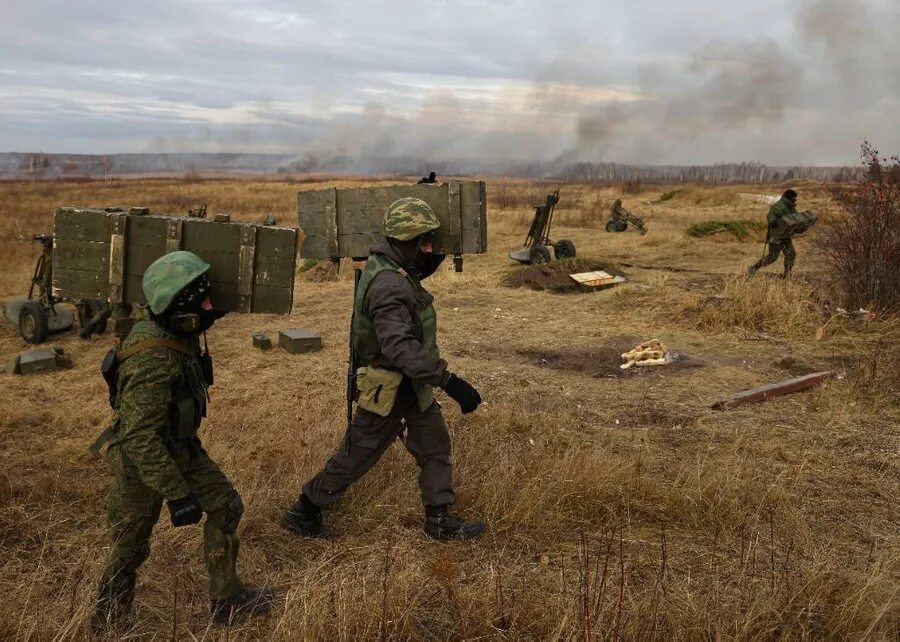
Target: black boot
441, 524
304, 518
246, 604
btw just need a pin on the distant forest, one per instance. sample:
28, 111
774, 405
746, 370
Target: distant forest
15, 165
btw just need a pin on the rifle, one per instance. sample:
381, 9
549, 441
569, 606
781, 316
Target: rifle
352, 359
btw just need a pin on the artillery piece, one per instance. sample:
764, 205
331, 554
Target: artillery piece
620, 218
39, 316
536, 249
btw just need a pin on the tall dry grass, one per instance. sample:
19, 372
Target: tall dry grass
619, 505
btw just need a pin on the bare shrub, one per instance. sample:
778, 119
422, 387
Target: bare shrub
862, 243
191, 176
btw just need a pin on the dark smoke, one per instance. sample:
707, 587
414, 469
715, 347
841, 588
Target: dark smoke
807, 97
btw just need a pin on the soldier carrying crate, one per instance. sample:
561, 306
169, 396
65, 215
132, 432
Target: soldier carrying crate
784, 221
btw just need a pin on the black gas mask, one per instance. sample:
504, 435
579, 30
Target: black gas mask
419, 264
186, 315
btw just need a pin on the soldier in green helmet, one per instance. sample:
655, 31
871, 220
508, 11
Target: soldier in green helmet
158, 388
394, 335
787, 204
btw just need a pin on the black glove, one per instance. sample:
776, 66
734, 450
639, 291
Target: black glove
462, 392
185, 511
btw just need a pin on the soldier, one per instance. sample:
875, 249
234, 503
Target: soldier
787, 204
619, 214
431, 178
158, 388
394, 334
620, 218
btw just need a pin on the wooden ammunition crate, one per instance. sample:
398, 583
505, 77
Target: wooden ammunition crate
340, 223
793, 224
103, 253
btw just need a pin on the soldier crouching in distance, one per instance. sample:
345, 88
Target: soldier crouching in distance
158, 389
394, 333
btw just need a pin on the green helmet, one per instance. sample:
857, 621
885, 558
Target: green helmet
168, 275
408, 218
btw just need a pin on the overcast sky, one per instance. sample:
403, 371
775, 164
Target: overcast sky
651, 81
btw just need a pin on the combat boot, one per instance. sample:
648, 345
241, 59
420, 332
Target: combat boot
246, 604
787, 273
304, 518
441, 524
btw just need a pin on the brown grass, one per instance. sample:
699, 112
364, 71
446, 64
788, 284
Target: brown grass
619, 504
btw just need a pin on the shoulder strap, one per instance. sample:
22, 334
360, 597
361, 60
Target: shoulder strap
172, 344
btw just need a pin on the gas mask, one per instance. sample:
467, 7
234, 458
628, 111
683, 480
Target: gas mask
419, 264
190, 313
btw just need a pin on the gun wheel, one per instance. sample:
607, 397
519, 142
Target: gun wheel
33, 323
539, 254
565, 249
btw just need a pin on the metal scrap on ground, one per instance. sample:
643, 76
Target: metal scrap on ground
773, 390
650, 353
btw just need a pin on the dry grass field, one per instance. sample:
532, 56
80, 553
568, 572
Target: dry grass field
619, 504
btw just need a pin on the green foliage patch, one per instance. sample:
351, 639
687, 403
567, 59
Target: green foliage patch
740, 229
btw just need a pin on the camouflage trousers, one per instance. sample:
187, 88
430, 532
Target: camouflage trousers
370, 435
133, 510
776, 248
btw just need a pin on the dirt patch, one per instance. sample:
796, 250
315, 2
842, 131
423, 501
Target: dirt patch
555, 276
602, 361
661, 268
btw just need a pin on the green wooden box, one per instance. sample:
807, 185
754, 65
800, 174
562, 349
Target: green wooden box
793, 224
339, 223
103, 253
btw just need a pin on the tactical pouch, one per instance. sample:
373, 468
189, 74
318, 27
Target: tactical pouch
108, 368
378, 389
183, 423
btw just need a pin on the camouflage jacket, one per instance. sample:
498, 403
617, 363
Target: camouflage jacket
390, 302
161, 399
779, 208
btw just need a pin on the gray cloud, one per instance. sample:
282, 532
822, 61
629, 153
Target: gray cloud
644, 81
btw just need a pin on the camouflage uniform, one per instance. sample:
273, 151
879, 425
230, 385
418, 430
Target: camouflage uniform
154, 455
394, 334
780, 208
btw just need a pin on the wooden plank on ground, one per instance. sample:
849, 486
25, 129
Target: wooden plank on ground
771, 390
